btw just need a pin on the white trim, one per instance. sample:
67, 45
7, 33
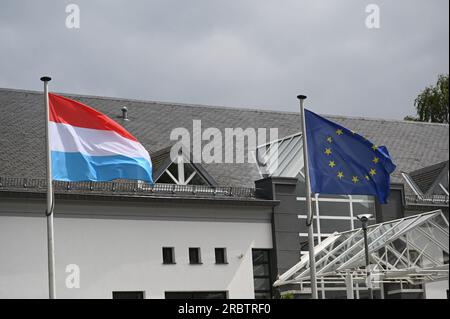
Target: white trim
329, 217
171, 176
180, 167
257, 164
280, 139
412, 185
301, 173
190, 177
304, 252
339, 200
352, 224
319, 238
403, 290
315, 235
444, 189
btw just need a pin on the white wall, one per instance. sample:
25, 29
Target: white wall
436, 290
117, 254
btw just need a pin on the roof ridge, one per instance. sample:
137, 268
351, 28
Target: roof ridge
382, 120
161, 151
250, 109
441, 165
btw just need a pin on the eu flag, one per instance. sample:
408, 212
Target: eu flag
343, 162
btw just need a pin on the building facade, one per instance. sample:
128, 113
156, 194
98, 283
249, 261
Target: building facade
204, 230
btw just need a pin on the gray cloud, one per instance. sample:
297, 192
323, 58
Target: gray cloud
234, 53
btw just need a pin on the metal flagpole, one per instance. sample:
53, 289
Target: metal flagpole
50, 199
309, 220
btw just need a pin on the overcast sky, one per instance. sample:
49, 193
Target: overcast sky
246, 53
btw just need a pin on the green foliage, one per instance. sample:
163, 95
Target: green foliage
432, 105
411, 118
288, 295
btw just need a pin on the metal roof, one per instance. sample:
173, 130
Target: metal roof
281, 158
427, 177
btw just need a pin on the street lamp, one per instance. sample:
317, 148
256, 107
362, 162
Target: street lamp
364, 218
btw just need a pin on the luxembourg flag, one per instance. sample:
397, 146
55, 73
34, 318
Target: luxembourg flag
86, 145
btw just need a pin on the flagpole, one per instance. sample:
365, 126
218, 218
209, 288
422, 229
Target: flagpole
50, 199
309, 220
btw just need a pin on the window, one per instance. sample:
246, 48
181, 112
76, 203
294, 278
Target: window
128, 295
336, 213
195, 295
221, 256
182, 174
168, 255
263, 295
261, 274
194, 256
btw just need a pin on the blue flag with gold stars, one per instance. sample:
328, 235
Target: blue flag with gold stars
343, 162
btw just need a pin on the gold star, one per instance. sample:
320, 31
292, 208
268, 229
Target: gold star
355, 179
339, 132
340, 175
374, 147
329, 139
372, 172
367, 177
375, 160
328, 151
332, 164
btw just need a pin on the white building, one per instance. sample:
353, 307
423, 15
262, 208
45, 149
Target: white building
203, 230
117, 246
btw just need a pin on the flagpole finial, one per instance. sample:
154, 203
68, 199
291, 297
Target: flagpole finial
301, 97
46, 79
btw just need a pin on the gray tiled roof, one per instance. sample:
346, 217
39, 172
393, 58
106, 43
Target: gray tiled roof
427, 177
160, 159
412, 145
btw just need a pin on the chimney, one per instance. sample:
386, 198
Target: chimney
125, 113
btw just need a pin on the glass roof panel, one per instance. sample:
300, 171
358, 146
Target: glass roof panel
412, 244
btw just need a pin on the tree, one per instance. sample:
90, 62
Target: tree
432, 104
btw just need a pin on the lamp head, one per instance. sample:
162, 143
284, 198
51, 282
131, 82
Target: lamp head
364, 217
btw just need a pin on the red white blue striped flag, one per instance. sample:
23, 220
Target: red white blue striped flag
86, 145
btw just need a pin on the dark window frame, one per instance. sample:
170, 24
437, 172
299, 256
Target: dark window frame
172, 254
194, 294
225, 259
268, 276
139, 293
198, 254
